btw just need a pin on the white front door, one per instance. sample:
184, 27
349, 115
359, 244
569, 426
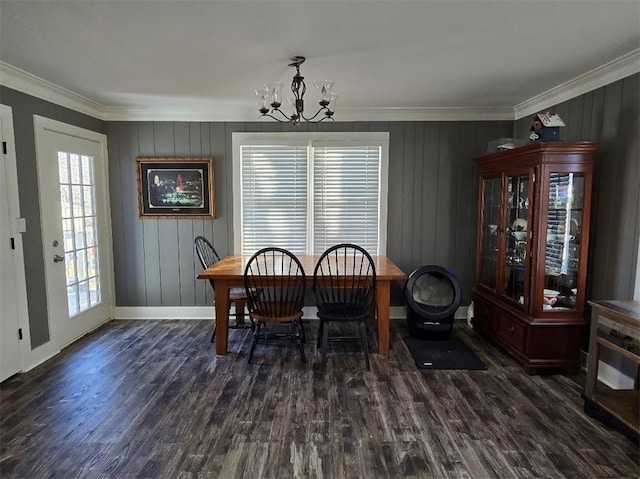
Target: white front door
10, 333
74, 210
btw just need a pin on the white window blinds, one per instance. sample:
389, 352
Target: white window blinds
308, 191
274, 197
346, 198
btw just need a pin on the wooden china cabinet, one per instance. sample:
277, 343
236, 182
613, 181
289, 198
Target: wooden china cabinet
533, 237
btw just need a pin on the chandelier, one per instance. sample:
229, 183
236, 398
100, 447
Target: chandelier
270, 99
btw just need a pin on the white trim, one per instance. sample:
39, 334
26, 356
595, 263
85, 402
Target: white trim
208, 312
39, 356
163, 312
47, 351
218, 112
490, 113
41, 125
25, 82
610, 72
241, 138
22, 309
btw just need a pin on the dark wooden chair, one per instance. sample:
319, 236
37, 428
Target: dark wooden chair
344, 282
208, 257
275, 286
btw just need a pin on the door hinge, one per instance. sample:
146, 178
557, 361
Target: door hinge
13, 243
20, 334
4, 147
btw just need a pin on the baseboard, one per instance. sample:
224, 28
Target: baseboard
163, 312
208, 312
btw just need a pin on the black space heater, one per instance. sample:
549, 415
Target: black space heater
433, 296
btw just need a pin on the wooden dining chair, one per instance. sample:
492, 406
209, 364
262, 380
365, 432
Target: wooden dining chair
274, 281
208, 256
344, 282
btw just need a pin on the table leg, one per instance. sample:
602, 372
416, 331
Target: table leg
240, 304
222, 316
383, 300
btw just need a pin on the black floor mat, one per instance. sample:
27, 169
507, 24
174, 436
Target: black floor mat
442, 354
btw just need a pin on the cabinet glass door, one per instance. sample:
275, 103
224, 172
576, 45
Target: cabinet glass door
516, 277
490, 231
562, 251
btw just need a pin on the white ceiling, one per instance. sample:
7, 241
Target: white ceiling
204, 59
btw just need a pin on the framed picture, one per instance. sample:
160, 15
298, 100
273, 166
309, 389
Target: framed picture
176, 187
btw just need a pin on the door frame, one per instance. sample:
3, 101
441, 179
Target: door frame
41, 125
11, 165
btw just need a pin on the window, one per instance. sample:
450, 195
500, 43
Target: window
306, 192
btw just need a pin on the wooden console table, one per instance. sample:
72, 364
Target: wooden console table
615, 325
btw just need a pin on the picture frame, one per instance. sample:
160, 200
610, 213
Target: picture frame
176, 187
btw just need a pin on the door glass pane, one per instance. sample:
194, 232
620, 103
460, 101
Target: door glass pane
65, 201
70, 263
72, 297
91, 233
67, 225
517, 217
80, 239
490, 231
562, 251
75, 169
83, 295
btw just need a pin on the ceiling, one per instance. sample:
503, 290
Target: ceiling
204, 59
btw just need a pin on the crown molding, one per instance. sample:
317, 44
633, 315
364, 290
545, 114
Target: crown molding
227, 113
425, 114
208, 112
25, 82
610, 72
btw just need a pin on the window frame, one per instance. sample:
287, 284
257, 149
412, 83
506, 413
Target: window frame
380, 139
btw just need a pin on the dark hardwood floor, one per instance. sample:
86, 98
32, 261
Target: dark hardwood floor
150, 399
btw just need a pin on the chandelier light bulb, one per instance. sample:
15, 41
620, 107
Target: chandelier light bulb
263, 100
324, 87
275, 94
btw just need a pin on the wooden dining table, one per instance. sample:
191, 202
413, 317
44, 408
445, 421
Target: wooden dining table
229, 273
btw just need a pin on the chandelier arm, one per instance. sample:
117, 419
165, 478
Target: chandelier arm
324, 108
279, 120
284, 115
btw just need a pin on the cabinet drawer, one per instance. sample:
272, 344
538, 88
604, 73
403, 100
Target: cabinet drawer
511, 331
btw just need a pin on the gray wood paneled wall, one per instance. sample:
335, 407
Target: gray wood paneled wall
610, 116
432, 201
23, 108
432, 195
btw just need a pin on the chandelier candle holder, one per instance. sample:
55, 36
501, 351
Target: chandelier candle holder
270, 99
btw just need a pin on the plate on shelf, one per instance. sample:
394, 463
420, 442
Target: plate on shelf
520, 224
551, 293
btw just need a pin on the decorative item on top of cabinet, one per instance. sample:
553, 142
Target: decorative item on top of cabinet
533, 239
546, 127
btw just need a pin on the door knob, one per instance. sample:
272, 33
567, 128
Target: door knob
57, 258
